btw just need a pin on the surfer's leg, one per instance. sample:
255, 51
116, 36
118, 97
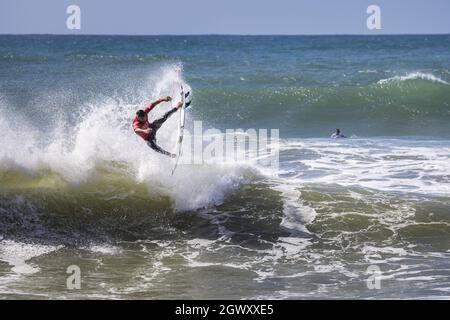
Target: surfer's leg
157, 123
152, 144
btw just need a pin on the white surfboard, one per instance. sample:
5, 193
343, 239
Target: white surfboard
178, 148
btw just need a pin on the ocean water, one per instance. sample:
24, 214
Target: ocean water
77, 187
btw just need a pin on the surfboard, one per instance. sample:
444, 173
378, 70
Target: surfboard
185, 99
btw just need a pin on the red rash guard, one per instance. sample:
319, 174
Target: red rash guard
143, 125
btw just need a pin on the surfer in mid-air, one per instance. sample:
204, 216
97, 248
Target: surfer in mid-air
146, 130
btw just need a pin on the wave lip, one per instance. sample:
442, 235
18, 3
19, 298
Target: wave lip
414, 76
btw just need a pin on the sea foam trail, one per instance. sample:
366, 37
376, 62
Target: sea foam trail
102, 136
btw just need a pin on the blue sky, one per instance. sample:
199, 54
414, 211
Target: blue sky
225, 16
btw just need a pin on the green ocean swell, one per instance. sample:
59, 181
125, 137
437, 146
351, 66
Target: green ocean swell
397, 108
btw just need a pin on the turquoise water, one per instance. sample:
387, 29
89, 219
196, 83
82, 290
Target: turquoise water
78, 187
308, 85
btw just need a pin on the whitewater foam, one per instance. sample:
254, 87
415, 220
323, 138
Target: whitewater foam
102, 136
17, 254
414, 76
377, 164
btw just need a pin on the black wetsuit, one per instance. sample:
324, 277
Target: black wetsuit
155, 125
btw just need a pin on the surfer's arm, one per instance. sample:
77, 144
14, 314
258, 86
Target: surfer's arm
155, 103
138, 130
146, 131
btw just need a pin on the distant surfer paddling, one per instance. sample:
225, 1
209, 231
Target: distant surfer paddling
337, 134
146, 130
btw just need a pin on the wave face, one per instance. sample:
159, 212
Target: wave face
410, 107
78, 187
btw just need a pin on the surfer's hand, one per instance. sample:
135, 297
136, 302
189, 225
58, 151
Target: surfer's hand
179, 104
147, 131
168, 98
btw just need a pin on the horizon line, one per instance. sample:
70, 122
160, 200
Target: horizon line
223, 34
